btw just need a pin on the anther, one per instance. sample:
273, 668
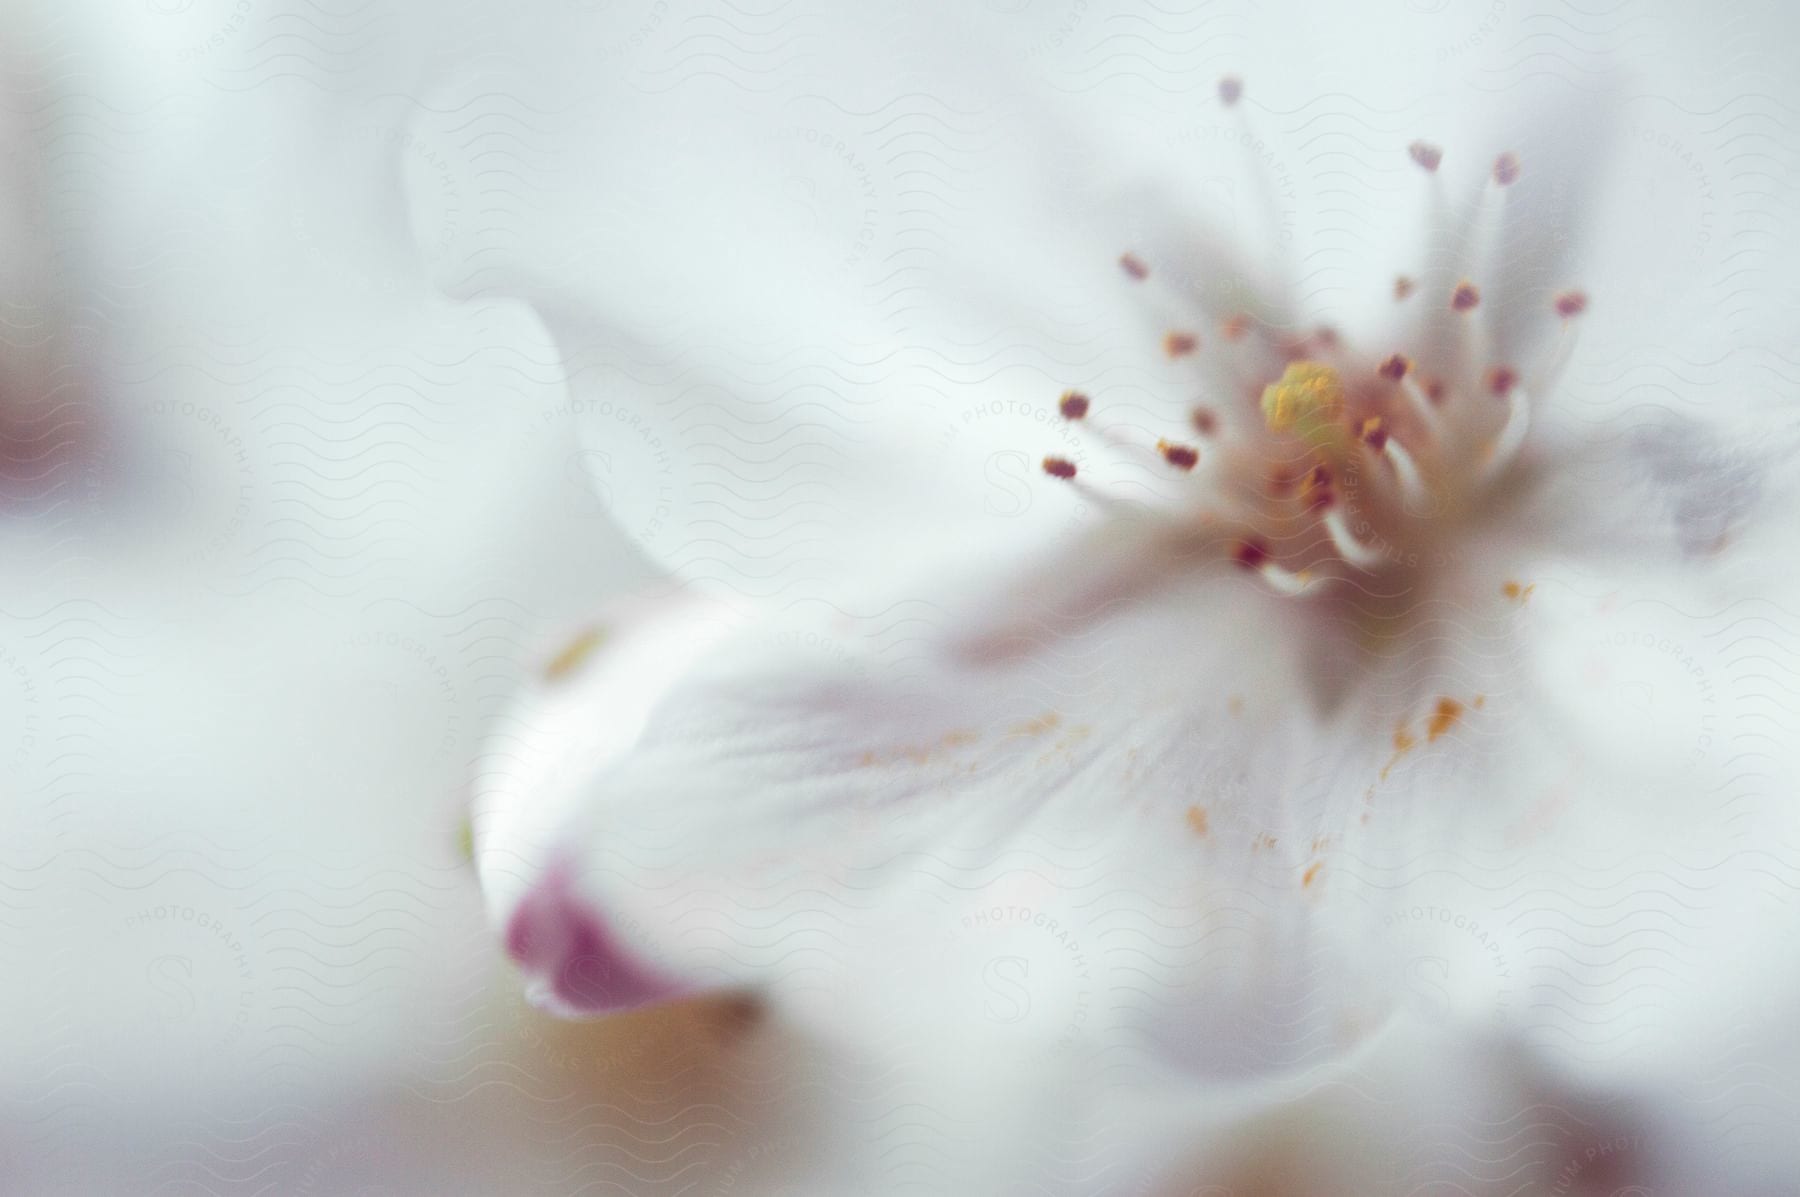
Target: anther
1180, 344
1395, 368
1180, 456
1465, 297
1373, 433
1231, 90
1251, 554
1506, 169
1206, 423
1235, 328
1059, 467
1073, 405
1134, 266
1403, 287
1426, 154
1501, 380
1571, 304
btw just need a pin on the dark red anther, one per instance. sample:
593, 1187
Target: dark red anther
1180, 344
1465, 297
1251, 554
1231, 90
1073, 405
1501, 380
1426, 154
1206, 423
1059, 467
1374, 433
1434, 391
1180, 456
1134, 266
1403, 287
1395, 368
1506, 169
1571, 304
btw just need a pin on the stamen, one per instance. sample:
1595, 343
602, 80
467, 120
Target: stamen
1253, 555
1465, 297
1059, 467
1231, 90
1180, 344
1403, 287
1073, 405
1506, 446
1351, 549
1413, 494
1426, 154
1569, 304
1373, 433
1399, 368
1181, 457
1501, 380
1206, 423
1506, 169
1316, 491
1134, 266
1286, 581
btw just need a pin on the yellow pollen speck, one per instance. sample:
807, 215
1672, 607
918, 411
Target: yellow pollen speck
1519, 594
1442, 719
1048, 721
1308, 401
574, 654
1196, 819
465, 840
1312, 872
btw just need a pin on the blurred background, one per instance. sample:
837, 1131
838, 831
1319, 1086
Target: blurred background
281, 525
292, 494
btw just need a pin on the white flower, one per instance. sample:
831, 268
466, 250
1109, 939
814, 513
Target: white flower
1324, 682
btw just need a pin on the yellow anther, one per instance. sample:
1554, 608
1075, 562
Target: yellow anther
574, 655
1308, 402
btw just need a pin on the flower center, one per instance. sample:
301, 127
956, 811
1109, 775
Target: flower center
1333, 465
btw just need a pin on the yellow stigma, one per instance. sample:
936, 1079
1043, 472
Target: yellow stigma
1308, 401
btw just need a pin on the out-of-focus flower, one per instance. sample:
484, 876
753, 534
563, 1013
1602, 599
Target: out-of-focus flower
1317, 693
